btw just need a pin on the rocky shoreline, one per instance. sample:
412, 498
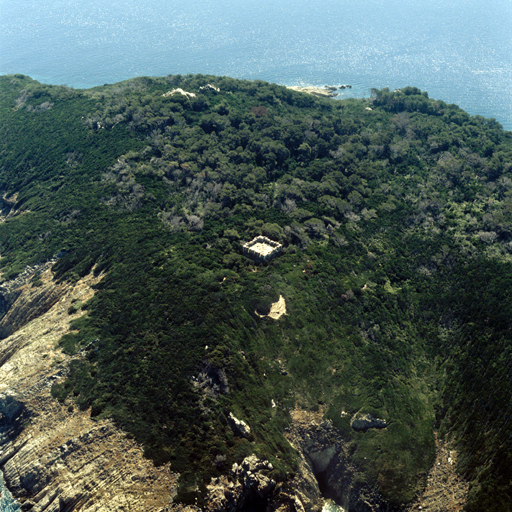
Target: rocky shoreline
326, 91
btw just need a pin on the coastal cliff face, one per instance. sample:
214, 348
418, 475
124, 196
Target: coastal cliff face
55, 457
327, 456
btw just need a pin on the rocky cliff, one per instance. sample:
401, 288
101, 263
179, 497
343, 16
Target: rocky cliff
327, 456
55, 457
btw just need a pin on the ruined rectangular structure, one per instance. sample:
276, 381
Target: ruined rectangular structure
262, 248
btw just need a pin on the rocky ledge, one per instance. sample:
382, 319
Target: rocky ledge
323, 92
362, 422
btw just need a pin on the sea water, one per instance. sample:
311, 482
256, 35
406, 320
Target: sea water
459, 51
7, 504
330, 506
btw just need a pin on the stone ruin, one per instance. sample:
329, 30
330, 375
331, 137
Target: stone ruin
262, 248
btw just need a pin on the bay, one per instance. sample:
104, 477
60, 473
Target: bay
457, 50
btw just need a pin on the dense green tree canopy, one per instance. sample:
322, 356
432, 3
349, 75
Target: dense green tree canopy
395, 217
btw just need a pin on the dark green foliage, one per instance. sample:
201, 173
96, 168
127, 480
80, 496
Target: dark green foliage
397, 234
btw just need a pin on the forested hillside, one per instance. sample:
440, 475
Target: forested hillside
395, 215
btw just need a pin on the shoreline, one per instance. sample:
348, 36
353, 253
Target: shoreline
326, 91
6, 498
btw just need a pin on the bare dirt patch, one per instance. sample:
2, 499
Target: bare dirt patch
277, 310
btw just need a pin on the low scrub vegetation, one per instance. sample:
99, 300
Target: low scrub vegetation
396, 268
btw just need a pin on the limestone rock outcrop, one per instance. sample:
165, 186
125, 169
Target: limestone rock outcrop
446, 490
248, 483
7, 205
209, 87
179, 90
239, 427
323, 92
54, 456
211, 381
20, 302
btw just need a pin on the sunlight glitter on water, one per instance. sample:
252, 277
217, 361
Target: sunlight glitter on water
459, 51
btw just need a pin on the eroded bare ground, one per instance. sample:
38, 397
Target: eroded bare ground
446, 491
304, 419
54, 457
277, 310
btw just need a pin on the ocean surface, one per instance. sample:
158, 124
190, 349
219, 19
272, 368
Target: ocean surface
459, 51
7, 504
